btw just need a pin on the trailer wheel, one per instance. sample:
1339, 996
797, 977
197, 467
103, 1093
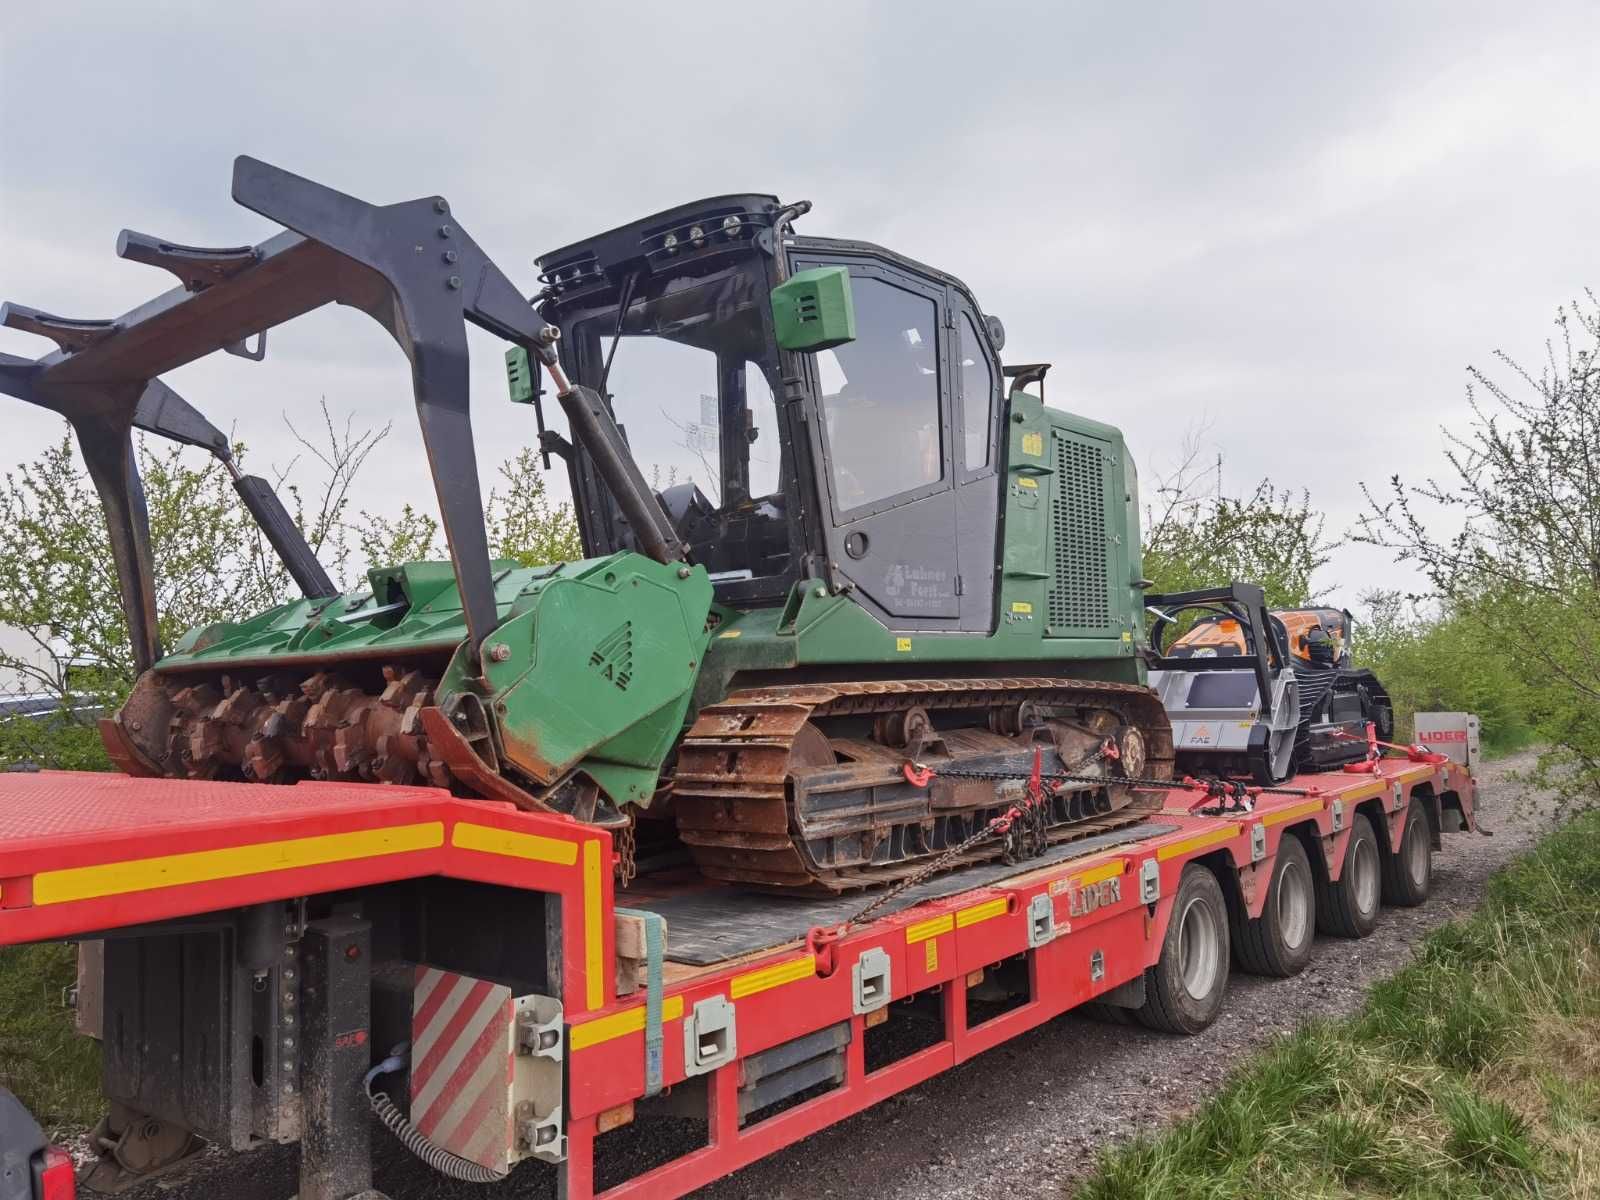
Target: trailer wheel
1109, 1014
1349, 908
1279, 941
1408, 873
1184, 990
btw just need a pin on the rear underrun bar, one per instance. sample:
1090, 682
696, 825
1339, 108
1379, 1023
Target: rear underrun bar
409, 266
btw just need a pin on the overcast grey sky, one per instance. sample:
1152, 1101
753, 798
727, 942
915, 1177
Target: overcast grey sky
1298, 223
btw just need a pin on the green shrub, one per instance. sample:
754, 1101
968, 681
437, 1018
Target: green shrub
1469, 1073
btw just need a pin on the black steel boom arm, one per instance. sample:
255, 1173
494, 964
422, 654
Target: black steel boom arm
162, 411
409, 266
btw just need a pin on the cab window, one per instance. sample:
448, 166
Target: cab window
977, 396
880, 397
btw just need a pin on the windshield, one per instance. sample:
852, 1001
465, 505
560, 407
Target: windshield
691, 381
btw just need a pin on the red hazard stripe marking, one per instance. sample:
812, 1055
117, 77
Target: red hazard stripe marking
488, 1133
492, 1035
422, 1073
433, 986
467, 1131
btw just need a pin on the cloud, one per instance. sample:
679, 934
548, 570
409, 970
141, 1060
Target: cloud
1302, 222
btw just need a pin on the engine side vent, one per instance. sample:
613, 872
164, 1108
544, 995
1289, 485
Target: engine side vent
1079, 593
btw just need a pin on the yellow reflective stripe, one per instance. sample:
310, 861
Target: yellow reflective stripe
776, 975
1098, 874
207, 866
1289, 814
593, 937
933, 927
1198, 842
508, 842
981, 912
605, 1029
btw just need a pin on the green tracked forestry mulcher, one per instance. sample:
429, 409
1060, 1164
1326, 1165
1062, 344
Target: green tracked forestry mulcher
825, 532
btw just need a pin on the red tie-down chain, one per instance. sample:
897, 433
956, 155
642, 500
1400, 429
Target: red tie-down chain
1375, 749
821, 939
1218, 796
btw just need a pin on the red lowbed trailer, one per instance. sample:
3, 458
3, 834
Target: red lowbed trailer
264, 943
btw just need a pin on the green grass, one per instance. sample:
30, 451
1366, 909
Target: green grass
1474, 1072
1506, 741
52, 1070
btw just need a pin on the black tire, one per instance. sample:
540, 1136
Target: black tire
1109, 1014
1280, 941
1349, 908
1408, 872
1184, 990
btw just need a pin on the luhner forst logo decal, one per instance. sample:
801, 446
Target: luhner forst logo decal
908, 583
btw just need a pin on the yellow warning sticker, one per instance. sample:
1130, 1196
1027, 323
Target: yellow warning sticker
789, 971
930, 955
1028, 481
1033, 443
730, 633
902, 645
931, 928
986, 911
1021, 606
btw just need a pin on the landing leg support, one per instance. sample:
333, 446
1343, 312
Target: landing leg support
336, 1149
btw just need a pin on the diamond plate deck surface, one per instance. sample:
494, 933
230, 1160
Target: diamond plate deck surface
717, 924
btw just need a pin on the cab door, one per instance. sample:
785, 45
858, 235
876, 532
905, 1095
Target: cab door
880, 428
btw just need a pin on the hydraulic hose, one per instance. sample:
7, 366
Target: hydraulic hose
594, 426
412, 1138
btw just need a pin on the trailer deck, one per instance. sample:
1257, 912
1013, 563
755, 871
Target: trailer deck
708, 925
763, 1036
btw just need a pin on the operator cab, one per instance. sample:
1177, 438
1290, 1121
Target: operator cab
671, 320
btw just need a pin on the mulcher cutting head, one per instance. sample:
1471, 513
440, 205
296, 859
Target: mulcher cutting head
1237, 711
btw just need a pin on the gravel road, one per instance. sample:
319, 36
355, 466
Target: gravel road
1024, 1119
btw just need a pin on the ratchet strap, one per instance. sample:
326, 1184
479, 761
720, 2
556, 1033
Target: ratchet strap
655, 949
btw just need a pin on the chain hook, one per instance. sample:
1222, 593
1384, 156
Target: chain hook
820, 943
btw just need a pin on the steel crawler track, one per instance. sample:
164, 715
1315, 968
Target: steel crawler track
780, 787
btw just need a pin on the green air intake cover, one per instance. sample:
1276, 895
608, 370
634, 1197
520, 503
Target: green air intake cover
519, 375
812, 310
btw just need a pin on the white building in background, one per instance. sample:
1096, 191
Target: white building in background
18, 645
